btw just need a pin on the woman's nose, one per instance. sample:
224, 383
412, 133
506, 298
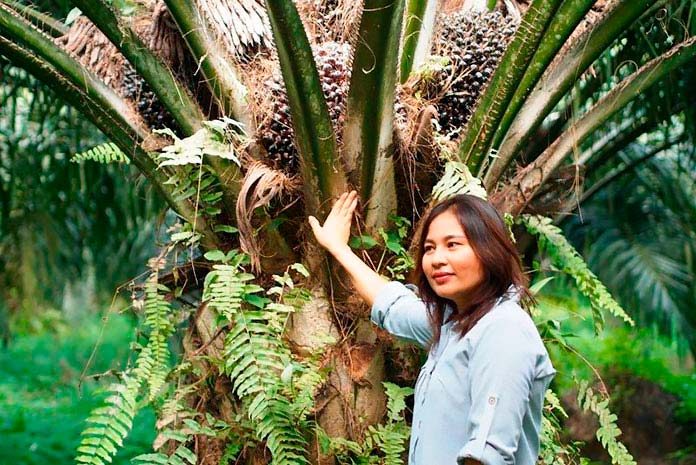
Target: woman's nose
438, 257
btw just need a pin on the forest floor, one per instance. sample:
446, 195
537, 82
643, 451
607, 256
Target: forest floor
44, 404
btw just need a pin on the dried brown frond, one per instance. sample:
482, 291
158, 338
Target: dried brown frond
241, 25
93, 50
261, 185
164, 38
417, 154
330, 20
256, 74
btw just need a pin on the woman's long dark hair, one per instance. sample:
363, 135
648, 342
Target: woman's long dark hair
488, 236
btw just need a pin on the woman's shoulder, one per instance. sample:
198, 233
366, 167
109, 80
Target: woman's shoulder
507, 324
510, 332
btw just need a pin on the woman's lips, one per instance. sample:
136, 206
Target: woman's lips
442, 278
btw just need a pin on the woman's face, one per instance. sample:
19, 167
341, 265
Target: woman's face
449, 263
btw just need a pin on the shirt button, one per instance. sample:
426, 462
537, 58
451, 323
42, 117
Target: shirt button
491, 400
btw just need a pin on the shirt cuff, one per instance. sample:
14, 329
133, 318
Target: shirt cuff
489, 456
390, 293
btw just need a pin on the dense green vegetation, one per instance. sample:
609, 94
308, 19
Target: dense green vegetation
618, 120
49, 383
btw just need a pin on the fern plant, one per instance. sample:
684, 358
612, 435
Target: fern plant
102, 153
255, 357
110, 424
608, 431
552, 450
180, 438
384, 443
568, 260
158, 320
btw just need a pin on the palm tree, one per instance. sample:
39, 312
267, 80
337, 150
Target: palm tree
329, 95
640, 215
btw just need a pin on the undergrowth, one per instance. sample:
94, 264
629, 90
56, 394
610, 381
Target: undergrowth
639, 351
42, 403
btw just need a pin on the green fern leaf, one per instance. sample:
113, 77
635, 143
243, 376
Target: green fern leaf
608, 431
254, 358
457, 180
566, 258
109, 425
157, 319
103, 153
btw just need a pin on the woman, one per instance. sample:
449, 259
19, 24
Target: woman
479, 396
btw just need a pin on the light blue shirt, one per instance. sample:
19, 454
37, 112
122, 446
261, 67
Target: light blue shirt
480, 396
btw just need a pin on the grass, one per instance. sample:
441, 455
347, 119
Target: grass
43, 405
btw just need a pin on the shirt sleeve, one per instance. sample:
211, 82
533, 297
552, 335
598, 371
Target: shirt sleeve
502, 370
398, 310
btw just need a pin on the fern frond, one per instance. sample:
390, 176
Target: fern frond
396, 400
157, 319
109, 424
552, 450
224, 289
181, 456
390, 440
457, 180
567, 259
608, 431
102, 153
255, 356
302, 387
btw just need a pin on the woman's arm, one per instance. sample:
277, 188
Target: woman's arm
395, 308
333, 236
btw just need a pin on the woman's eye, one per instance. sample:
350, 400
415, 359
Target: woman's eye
452, 244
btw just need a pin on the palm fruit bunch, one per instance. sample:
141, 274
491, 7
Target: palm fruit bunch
472, 44
135, 89
276, 133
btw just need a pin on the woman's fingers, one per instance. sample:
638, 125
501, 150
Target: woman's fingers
343, 208
353, 203
349, 200
314, 223
338, 206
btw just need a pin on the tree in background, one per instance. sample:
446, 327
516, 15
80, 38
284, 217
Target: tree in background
264, 113
57, 216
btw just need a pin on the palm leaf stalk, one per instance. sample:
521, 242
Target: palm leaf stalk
88, 93
600, 154
562, 25
220, 75
172, 94
518, 193
558, 80
22, 33
418, 33
322, 172
615, 141
169, 91
369, 127
41, 20
479, 131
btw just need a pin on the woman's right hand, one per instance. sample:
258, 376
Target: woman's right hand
334, 233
